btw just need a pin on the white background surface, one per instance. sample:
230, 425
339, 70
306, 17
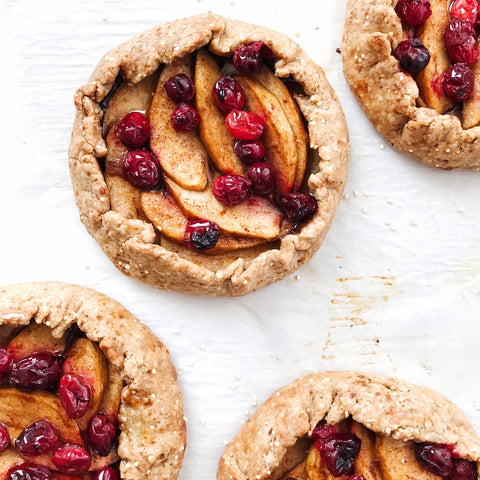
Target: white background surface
394, 289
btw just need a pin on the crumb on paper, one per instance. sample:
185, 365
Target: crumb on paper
202, 347
297, 277
461, 210
365, 210
389, 201
356, 193
382, 147
413, 223
366, 193
346, 196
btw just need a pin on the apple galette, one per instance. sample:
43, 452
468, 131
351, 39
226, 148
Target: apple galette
414, 67
353, 426
86, 390
208, 156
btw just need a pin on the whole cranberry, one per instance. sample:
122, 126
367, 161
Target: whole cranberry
322, 432
105, 473
6, 362
412, 55
463, 470
437, 459
29, 471
101, 433
40, 370
339, 452
201, 235
75, 395
73, 459
134, 130
244, 125
180, 88
185, 118
413, 12
461, 41
262, 177
4, 437
228, 95
458, 82
142, 170
38, 438
298, 206
249, 151
465, 9
231, 190
248, 59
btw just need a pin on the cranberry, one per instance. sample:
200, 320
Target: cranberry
461, 42
458, 82
185, 118
463, 470
29, 471
40, 370
477, 23
244, 125
249, 151
72, 459
142, 170
248, 59
201, 235
75, 394
101, 433
299, 206
4, 437
339, 452
437, 459
6, 362
134, 130
180, 88
465, 9
231, 190
38, 438
106, 473
412, 55
413, 12
228, 95
262, 177
322, 432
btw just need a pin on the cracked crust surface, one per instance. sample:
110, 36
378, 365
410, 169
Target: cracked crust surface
130, 243
151, 396
384, 405
389, 96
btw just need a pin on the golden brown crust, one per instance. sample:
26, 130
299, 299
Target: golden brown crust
389, 96
153, 432
130, 243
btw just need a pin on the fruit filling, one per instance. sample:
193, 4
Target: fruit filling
215, 161
441, 51
59, 400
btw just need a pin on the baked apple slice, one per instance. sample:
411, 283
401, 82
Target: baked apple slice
366, 463
471, 108
181, 155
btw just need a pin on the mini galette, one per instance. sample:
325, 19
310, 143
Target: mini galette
353, 426
87, 392
208, 156
414, 67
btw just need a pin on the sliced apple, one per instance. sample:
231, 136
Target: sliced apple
255, 218
8, 459
274, 85
366, 462
471, 108
429, 80
297, 473
278, 135
314, 465
213, 131
85, 358
112, 395
181, 155
99, 462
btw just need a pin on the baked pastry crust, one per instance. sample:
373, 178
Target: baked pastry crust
151, 396
384, 405
389, 96
130, 242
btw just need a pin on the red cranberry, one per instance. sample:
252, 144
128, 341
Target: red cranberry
6, 362
437, 459
185, 118
38, 438
249, 151
465, 9
134, 130
228, 95
244, 125
339, 452
29, 471
180, 88
298, 206
322, 432
4, 437
463, 470
75, 394
262, 177
231, 190
142, 170
106, 473
201, 235
458, 82
412, 55
247, 59
72, 459
461, 41
40, 370
101, 433
413, 12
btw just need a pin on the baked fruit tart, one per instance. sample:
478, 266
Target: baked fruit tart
353, 426
86, 390
208, 156
414, 67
